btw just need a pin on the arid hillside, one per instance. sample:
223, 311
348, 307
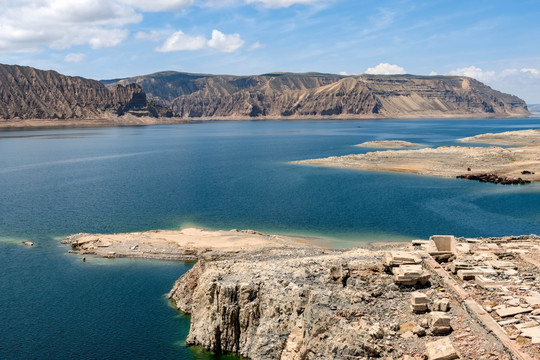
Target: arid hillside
287, 95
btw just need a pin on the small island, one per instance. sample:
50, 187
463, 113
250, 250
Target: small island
522, 161
388, 144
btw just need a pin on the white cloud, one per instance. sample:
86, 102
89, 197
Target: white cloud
257, 45
31, 25
474, 72
344, 73
159, 5
433, 73
181, 42
75, 57
386, 69
531, 71
521, 82
225, 43
281, 3
219, 41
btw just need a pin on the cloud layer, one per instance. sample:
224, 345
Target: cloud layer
386, 69
219, 41
27, 26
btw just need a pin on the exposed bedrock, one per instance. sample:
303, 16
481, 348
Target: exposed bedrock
317, 304
29, 93
286, 95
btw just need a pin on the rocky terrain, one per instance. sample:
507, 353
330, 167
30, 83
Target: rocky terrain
316, 303
454, 161
314, 95
30, 94
276, 297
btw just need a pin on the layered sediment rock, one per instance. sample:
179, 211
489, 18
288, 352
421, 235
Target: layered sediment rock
28, 93
310, 95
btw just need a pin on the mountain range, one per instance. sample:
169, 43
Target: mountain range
27, 93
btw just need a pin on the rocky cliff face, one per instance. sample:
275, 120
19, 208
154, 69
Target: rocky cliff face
325, 95
313, 304
28, 93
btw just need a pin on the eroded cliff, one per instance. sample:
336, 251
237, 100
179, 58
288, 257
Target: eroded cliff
28, 93
316, 304
286, 95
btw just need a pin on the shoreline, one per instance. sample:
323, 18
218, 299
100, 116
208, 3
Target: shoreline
126, 120
453, 161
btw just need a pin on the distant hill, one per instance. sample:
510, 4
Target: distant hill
313, 95
28, 93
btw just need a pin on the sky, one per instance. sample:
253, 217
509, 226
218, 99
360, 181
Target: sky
494, 41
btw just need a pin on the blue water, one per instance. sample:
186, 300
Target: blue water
220, 175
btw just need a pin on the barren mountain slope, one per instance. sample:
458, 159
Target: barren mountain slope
325, 95
28, 93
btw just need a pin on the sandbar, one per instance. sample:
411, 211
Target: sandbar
451, 161
388, 144
187, 244
530, 137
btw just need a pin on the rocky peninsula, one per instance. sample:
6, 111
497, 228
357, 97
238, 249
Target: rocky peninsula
481, 302
277, 297
187, 244
522, 161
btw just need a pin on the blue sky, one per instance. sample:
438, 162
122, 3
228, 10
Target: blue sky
494, 41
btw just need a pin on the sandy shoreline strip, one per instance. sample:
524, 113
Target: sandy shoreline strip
187, 244
388, 144
451, 161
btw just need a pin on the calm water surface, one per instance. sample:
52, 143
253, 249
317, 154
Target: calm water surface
218, 175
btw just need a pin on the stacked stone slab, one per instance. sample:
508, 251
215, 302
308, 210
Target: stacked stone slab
410, 275
441, 305
406, 267
440, 323
419, 302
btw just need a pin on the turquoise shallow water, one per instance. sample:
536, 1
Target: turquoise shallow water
218, 175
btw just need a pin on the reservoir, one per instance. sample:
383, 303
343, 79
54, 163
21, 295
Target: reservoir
216, 175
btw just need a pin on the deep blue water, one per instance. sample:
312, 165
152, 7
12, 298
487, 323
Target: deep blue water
218, 175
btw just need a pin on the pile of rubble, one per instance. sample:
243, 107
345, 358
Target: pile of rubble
495, 276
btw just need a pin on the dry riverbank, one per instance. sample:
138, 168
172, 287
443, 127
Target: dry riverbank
451, 161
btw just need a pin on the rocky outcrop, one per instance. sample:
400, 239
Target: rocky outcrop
28, 93
287, 95
317, 304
